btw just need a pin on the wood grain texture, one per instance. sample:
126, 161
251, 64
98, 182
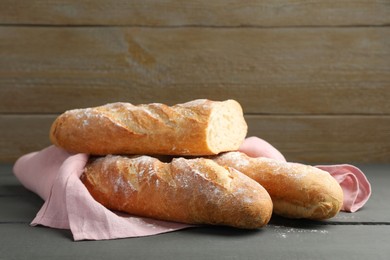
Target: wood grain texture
313, 77
331, 139
198, 12
269, 71
336, 139
21, 134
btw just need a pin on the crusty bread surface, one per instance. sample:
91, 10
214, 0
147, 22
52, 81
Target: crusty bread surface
199, 127
297, 190
194, 191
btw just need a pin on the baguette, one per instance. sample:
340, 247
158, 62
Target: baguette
297, 190
199, 127
194, 191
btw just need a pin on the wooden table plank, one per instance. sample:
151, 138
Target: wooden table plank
196, 12
269, 71
273, 242
17, 209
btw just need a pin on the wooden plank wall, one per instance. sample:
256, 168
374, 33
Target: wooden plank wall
313, 77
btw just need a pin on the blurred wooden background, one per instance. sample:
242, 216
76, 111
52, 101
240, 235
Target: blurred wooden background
313, 77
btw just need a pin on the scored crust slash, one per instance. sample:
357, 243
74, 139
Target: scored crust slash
206, 182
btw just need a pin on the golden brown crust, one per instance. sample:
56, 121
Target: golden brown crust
297, 190
199, 127
195, 191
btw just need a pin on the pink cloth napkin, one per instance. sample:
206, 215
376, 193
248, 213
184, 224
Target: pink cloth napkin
54, 174
356, 188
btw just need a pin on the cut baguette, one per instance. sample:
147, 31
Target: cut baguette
199, 127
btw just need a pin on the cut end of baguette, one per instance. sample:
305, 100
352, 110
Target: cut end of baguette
227, 128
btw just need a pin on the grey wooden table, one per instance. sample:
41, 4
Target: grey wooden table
361, 235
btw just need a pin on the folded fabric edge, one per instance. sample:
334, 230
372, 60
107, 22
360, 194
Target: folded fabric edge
362, 187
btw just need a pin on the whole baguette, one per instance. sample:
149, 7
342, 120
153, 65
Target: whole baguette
199, 127
297, 190
195, 191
